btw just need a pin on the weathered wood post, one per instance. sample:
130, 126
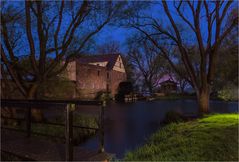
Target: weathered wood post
101, 133
28, 120
69, 131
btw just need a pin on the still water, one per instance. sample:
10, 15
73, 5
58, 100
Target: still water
127, 126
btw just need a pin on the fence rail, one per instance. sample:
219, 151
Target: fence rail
69, 106
48, 103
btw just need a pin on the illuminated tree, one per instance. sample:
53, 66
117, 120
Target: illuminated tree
214, 16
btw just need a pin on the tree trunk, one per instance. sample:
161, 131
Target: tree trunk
37, 114
182, 89
150, 89
149, 85
203, 101
7, 111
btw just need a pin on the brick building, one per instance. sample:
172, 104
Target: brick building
95, 74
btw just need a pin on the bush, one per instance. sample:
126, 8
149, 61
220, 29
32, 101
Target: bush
173, 117
123, 89
103, 95
228, 93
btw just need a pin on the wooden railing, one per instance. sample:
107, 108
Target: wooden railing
69, 106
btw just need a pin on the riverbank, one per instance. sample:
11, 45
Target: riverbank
213, 138
175, 97
188, 96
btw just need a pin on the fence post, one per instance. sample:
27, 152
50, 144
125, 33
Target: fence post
101, 133
28, 121
69, 131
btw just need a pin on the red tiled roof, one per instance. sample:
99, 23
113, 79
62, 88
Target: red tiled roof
110, 58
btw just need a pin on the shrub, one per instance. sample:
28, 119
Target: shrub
228, 93
123, 89
173, 117
103, 95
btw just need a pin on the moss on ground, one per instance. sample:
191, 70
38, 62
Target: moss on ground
211, 138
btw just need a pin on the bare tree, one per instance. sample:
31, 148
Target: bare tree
182, 80
147, 62
48, 37
208, 40
109, 48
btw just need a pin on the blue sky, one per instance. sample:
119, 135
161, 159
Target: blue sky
112, 33
120, 34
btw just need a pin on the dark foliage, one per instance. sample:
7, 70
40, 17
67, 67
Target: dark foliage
173, 117
125, 88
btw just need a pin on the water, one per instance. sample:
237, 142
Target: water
129, 125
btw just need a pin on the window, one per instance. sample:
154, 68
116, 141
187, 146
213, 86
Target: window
98, 73
108, 75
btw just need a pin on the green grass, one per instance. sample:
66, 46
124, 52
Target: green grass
213, 138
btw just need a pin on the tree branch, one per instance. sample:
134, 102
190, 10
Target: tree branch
183, 17
184, 57
6, 39
58, 28
12, 72
29, 36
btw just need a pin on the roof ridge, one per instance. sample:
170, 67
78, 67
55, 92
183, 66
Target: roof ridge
110, 58
94, 55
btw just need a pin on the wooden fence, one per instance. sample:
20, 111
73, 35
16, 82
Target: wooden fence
69, 106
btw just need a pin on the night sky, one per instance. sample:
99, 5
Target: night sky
156, 10
120, 34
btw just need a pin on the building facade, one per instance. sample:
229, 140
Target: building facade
168, 86
93, 75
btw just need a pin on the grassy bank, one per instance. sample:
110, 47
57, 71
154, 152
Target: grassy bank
213, 138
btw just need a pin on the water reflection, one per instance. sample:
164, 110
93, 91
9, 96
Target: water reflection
129, 125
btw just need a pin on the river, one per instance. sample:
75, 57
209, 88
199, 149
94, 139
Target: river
127, 126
